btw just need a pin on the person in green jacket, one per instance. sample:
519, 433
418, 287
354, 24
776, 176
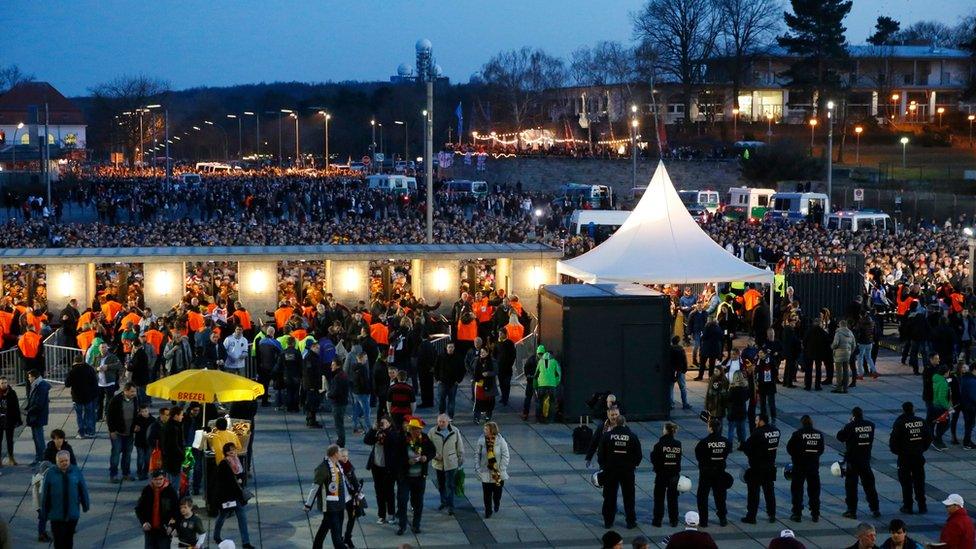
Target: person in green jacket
940, 407
547, 377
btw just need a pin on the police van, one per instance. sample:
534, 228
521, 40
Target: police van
797, 207
597, 224
706, 199
393, 183
747, 204
579, 195
465, 186
864, 220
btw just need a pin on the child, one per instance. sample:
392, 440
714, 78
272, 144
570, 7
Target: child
143, 421
36, 481
189, 529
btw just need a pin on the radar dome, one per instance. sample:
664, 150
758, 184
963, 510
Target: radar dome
404, 70
437, 71
423, 45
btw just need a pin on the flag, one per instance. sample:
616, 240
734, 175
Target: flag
459, 113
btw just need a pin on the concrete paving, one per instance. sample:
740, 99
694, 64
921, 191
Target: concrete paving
548, 501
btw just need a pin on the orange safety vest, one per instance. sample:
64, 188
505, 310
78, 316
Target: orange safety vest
367, 317
30, 344
211, 307
194, 321
155, 338
282, 315
751, 299
483, 311
110, 309
244, 319
85, 340
517, 305
6, 321
467, 332
133, 318
515, 332
903, 305
308, 312
85, 318
299, 334
380, 333
35, 320
957, 301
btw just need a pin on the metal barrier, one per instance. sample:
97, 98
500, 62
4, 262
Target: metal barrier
12, 365
440, 341
251, 367
58, 358
524, 349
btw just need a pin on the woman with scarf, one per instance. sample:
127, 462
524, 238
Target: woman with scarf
491, 463
229, 495
381, 464
484, 386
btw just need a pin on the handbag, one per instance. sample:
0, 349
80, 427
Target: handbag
156, 458
479, 391
459, 482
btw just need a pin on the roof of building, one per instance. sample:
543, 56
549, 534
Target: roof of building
895, 52
16, 103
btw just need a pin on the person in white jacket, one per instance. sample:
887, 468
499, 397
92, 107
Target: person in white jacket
448, 459
491, 463
237, 348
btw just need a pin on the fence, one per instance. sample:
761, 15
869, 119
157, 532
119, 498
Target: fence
58, 358
12, 366
524, 349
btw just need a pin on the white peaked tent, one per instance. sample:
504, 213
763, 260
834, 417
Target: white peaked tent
660, 243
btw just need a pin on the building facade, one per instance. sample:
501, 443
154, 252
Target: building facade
22, 117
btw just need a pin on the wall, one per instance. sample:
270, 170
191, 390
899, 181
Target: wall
66, 282
527, 276
349, 281
548, 173
163, 285
258, 286
439, 281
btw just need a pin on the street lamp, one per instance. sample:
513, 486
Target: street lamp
911, 110
372, 144
406, 139
257, 132
941, 111
769, 127
222, 131
326, 117
382, 148
240, 134
298, 149
813, 127
894, 102
857, 148
20, 126
428, 72
971, 118
633, 146
904, 146
166, 137
735, 120
830, 149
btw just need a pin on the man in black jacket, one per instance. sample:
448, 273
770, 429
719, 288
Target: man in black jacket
679, 363
412, 455
612, 414
449, 372
505, 359
312, 383
212, 353
858, 438
138, 367
83, 382
290, 373
158, 510
817, 354
120, 418
761, 448
666, 460
172, 444
528, 368
426, 360
620, 452
712, 453
910, 438
69, 323
339, 395
805, 448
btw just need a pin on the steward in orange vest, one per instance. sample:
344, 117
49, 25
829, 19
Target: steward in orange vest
30, 348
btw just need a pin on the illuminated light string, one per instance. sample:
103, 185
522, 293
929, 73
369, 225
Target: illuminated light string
513, 138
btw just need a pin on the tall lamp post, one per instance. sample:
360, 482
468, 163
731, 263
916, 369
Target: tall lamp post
769, 127
240, 134
858, 130
940, 111
166, 139
283, 112
382, 148
971, 118
372, 144
813, 127
326, 117
633, 144
735, 122
406, 139
427, 72
223, 133
298, 149
20, 126
904, 147
830, 149
257, 132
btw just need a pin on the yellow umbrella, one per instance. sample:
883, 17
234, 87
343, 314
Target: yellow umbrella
205, 386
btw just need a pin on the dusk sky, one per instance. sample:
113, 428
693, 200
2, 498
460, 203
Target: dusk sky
77, 44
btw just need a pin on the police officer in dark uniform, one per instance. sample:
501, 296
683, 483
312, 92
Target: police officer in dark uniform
620, 453
805, 448
910, 438
761, 448
666, 459
712, 452
858, 437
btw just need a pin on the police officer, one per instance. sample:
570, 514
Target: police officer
858, 438
910, 438
666, 460
805, 448
761, 448
712, 452
620, 453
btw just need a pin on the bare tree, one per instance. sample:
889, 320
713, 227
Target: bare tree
746, 28
682, 33
582, 68
126, 94
11, 75
519, 77
928, 33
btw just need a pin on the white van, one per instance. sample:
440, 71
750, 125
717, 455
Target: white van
797, 207
861, 221
747, 204
706, 199
393, 183
604, 222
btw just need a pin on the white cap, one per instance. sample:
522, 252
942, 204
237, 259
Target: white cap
691, 518
954, 499
787, 533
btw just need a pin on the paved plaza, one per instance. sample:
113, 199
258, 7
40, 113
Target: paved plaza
548, 501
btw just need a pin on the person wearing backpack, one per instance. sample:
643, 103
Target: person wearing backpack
361, 386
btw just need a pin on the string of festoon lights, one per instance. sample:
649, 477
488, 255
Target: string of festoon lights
513, 138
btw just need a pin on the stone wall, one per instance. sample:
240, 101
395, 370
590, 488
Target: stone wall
548, 173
